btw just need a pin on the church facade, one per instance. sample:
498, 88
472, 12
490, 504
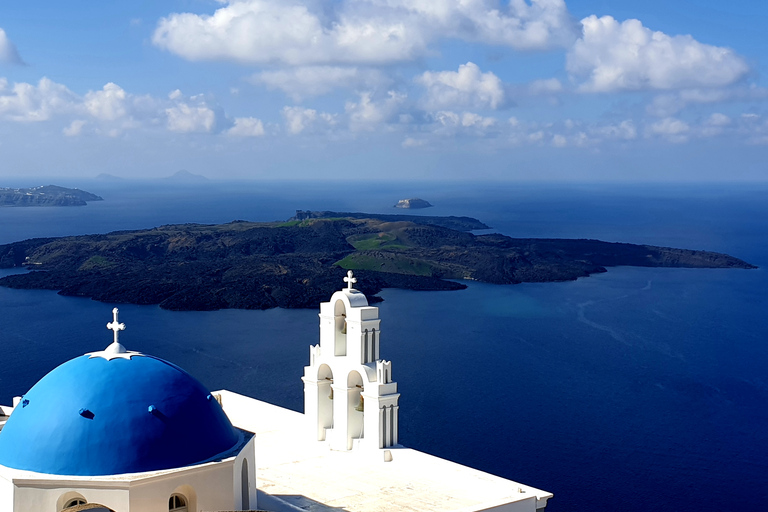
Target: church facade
122, 431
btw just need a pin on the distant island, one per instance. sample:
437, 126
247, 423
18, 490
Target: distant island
184, 176
297, 263
413, 203
49, 195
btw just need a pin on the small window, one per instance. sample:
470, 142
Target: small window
177, 503
75, 502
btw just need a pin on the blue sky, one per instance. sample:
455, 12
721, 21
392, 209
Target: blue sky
386, 89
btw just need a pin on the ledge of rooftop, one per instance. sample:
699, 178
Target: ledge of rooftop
288, 461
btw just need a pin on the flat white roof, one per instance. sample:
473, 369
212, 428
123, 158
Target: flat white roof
307, 474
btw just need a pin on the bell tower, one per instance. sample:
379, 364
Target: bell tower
350, 399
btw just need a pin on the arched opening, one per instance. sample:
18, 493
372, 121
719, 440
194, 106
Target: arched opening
245, 488
355, 407
340, 319
70, 499
177, 503
324, 400
75, 502
369, 347
183, 499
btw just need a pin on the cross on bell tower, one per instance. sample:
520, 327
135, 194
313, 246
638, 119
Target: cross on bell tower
350, 280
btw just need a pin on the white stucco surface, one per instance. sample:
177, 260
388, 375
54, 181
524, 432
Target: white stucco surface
296, 469
210, 486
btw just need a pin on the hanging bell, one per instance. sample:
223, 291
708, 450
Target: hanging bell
330, 395
344, 329
360, 406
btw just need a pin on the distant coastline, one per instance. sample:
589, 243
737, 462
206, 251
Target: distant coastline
49, 195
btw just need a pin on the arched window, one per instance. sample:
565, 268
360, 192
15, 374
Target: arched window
74, 502
177, 503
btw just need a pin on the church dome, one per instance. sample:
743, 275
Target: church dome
115, 412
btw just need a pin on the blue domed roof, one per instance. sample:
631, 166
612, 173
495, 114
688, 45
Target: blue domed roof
103, 415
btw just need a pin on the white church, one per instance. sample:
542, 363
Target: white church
122, 431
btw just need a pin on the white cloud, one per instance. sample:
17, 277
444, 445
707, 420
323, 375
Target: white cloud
467, 87
300, 119
625, 130
410, 142
449, 123
367, 114
718, 119
469, 119
358, 31
263, 31
615, 56
247, 127
75, 128
107, 104
538, 24
309, 81
671, 128
27, 102
187, 116
669, 104
8, 52
715, 124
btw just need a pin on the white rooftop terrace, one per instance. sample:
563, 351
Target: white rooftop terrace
295, 473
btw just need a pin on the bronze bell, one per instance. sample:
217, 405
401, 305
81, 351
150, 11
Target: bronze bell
360, 406
330, 395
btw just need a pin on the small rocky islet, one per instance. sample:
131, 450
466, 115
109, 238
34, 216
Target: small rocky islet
413, 203
300, 262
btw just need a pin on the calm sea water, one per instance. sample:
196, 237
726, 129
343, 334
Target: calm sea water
634, 390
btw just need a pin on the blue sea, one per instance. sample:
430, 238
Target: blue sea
638, 389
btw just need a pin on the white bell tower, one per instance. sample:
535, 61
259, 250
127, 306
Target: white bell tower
350, 400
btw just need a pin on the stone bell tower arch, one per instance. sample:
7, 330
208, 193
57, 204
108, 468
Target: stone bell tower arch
350, 399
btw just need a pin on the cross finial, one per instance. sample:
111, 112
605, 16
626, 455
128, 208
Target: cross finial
350, 280
114, 325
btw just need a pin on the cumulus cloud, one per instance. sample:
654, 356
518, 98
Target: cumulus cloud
671, 128
192, 115
27, 102
615, 56
538, 24
308, 81
111, 110
107, 104
8, 52
247, 127
300, 119
467, 87
368, 114
449, 123
358, 31
263, 31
